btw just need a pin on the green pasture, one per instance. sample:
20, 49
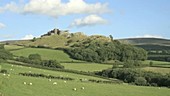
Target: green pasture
157, 69
46, 54
13, 85
86, 66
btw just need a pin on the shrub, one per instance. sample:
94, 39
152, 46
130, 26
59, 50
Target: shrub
34, 57
3, 71
151, 63
140, 81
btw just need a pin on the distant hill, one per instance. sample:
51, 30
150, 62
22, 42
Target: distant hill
142, 41
149, 43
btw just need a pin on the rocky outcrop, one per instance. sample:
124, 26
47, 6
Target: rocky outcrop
55, 31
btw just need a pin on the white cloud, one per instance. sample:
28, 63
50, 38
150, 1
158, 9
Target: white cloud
90, 20
12, 6
149, 36
2, 25
56, 8
27, 37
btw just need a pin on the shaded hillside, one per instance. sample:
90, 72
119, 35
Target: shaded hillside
141, 41
158, 49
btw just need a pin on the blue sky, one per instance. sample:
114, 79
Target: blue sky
24, 19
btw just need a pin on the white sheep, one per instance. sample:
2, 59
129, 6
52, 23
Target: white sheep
65, 81
82, 88
25, 83
49, 80
55, 83
12, 65
74, 89
30, 83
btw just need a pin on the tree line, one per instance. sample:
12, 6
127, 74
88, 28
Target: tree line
95, 51
35, 59
137, 76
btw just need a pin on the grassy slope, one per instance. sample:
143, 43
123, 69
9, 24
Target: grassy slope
13, 86
139, 41
157, 70
158, 63
60, 56
45, 53
86, 66
155, 62
51, 41
13, 47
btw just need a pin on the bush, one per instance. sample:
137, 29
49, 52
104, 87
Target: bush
34, 57
3, 71
140, 81
151, 63
4, 54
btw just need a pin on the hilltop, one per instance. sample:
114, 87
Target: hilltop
57, 38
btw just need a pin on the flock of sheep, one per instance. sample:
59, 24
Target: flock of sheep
30, 83
54, 83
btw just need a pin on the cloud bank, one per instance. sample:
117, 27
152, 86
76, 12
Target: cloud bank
56, 8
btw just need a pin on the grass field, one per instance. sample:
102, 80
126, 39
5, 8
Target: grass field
13, 85
13, 47
155, 62
158, 63
86, 66
157, 69
45, 54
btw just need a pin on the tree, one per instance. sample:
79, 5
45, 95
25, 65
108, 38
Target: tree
4, 54
140, 81
34, 39
97, 51
111, 37
151, 63
34, 57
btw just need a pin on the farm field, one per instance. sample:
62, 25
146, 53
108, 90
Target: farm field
13, 47
45, 54
63, 57
155, 62
86, 66
13, 85
160, 64
157, 70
